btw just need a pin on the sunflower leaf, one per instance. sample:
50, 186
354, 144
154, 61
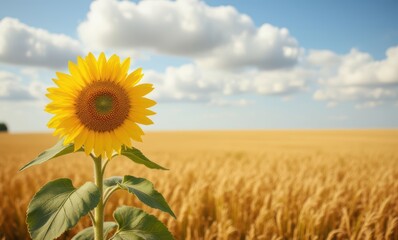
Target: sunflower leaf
112, 181
146, 193
137, 156
57, 150
135, 224
111, 184
88, 233
58, 206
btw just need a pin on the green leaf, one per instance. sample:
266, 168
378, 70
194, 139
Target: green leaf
57, 150
88, 233
137, 156
112, 181
145, 191
135, 224
58, 206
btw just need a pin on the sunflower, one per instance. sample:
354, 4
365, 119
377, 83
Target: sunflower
98, 105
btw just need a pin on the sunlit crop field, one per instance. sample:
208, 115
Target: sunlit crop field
234, 185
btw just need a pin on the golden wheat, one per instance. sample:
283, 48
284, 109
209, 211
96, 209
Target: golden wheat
235, 185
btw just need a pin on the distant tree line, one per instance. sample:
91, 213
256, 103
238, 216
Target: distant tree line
3, 127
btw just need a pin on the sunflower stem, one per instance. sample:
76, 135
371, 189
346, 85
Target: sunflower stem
104, 166
108, 194
99, 210
91, 215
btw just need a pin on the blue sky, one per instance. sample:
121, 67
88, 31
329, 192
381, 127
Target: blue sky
253, 65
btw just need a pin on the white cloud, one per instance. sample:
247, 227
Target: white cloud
185, 83
25, 45
347, 93
12, 88
356, 76
191, 82
213, 36
277, 82
268, 47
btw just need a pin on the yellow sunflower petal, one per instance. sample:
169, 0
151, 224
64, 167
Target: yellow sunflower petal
142, 111
133, 134
54, 122
133, 78
99, 144
123, 70
108, 69
134, 130
89, 144
67, 83
144, 102
58, 131
84, 70
71, 137
108, 145
139, 118
76, 76
93, 66
116, 143
101, 66
142, 89
122, 136
80, 139
114, 68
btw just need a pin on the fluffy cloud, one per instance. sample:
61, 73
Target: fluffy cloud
192, 83
213, 36
229, 55
267, 48
24, 45
12, 88
356, 76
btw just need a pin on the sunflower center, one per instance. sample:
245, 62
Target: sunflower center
103, 106
104, 103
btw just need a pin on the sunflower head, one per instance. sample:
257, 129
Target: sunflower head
98, 104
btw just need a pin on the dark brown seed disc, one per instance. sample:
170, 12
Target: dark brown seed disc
103, 106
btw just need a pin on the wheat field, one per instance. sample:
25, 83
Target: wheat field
234, 185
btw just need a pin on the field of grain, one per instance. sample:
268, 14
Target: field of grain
234, 185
